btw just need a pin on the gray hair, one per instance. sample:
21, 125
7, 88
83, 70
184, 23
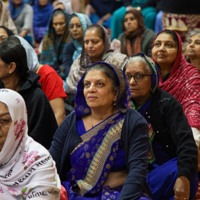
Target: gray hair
139, 59
192, 33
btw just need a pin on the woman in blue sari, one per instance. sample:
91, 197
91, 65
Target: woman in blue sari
173, 156
101, 139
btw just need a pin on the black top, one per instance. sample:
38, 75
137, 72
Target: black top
173, 132
181, 6
41, 119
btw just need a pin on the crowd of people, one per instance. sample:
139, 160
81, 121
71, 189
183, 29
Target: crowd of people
99, 100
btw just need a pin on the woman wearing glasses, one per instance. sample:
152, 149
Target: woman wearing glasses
173, 153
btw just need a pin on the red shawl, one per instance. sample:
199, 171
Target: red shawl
184, 84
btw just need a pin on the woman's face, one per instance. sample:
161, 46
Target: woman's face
59, 24
98, 90
17, 2
93, 44
75, 28
5, 122
130, 22
140, 90
4, 70
3, 34
43, 3
193, 47
164, 50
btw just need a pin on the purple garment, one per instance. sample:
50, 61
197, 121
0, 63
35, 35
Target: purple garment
42, 15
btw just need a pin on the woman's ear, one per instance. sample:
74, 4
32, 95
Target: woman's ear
12, 67
115, 94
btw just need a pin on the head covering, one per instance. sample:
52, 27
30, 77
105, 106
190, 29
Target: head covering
42, 15
67, 5
85, 60
51, 55
155, 72
85, 21
184, 83
26, 167
131, 41
31, 56
81, 107
15, 11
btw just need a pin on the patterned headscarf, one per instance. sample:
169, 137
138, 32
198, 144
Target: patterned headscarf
123, 97
26, 167
85, 60
85, 21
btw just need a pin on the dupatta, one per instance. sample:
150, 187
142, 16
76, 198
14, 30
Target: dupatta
184, 84
96, 154
27, 170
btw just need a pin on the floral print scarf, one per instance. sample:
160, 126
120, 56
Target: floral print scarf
27, 171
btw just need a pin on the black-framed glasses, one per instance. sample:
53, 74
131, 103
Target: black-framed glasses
137, 77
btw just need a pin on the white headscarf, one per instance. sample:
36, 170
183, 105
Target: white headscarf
32, 58
27, 170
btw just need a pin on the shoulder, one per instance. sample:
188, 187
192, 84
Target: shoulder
148, 33
116, 58
161, 97
28, 8
121, 36
134, 118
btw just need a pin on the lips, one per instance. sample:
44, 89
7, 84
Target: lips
91, 98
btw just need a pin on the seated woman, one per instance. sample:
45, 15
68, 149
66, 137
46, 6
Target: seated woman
136, 37
54, 42
193, 49
22, 15
5, 18
147, 7
96, 48
173, 157
51, 83
97, 139
179, 78
16, 76
42, 11
78, 24
27, 169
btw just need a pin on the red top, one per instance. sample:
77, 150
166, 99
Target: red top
52, 84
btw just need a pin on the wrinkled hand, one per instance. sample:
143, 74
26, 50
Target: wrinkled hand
182, 188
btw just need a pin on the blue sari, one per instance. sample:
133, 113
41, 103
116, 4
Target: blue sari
100, 151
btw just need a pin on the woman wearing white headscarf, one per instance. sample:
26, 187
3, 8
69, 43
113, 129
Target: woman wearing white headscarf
27, 171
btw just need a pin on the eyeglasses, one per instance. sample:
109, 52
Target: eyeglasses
137, 77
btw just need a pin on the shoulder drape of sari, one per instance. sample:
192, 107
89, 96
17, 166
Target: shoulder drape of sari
95, 156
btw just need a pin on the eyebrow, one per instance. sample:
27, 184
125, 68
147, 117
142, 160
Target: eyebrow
7, 113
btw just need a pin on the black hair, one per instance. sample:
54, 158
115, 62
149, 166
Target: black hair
100, 31
9, 32
108, 71
14, 52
